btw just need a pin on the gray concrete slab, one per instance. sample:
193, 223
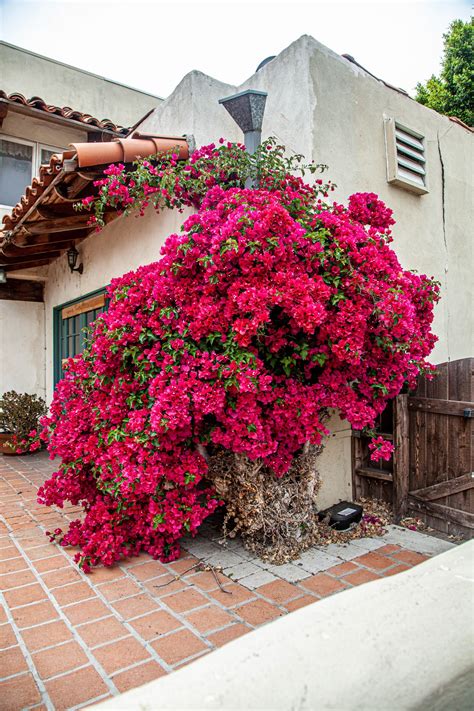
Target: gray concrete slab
416, 540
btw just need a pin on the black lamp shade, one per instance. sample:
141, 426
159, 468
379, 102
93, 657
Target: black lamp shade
72, 255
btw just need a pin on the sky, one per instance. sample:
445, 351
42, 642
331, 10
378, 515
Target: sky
152, 44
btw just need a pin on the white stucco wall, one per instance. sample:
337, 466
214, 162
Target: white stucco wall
31, 74
321, 105
22, 347
335, 464
348, 135
327, 108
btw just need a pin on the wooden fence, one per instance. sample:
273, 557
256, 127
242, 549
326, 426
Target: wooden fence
431, 473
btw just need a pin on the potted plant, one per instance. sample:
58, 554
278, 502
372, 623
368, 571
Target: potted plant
19, 415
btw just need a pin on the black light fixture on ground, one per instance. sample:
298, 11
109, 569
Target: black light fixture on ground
72, 256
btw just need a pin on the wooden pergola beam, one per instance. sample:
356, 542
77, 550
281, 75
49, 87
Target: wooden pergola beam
26, 240
26, 265
27, 260
59, 224
21, 290
12, 250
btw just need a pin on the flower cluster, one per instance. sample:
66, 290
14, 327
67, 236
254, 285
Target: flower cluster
381, 449
268, 309
165, 181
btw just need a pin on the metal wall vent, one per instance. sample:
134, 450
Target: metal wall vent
406, 160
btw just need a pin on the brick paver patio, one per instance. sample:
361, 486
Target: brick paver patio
68, 639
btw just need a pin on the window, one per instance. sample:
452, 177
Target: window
16, 160
70, 322
46, 153
19, 163
406, 162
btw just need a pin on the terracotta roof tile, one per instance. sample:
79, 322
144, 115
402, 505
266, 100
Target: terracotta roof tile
36, 102
121, 150
455, 119
125, 150
32, 192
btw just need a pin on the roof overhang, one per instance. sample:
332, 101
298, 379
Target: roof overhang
44, 224
36, 106
7, 107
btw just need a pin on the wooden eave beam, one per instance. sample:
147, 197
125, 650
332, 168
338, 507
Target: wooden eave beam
59, 224
12, 250
69, 192
77, 186
21, 290
24, 241
27, 265
25, 260
52, 211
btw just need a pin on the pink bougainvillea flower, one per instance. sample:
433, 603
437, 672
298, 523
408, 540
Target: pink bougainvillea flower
269, 309
380, 449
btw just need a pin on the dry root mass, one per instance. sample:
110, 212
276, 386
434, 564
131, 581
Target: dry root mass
277, 518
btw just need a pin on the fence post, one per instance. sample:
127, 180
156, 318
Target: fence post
401, 458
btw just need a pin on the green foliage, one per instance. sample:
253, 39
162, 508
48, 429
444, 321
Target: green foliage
164, 181
452, 93
20, 412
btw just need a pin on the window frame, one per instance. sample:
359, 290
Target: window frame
22, 142
35, 158
46, 147
57, 321
393, 177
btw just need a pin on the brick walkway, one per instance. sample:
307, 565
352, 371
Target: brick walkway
67, 639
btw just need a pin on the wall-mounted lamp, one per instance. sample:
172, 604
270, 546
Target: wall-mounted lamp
3, 276
247, 109
72, 256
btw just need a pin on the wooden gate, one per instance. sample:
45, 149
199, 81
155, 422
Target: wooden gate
431, 474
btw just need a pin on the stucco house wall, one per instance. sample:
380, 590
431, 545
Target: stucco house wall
22, 347
24, 71
327, 108
124, 245
332, 111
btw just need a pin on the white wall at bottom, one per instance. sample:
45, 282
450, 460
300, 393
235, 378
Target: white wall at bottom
335, 464
22, 347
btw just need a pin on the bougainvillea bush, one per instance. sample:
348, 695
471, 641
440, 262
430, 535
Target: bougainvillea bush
268, 309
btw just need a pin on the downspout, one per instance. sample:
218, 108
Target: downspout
247, 109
